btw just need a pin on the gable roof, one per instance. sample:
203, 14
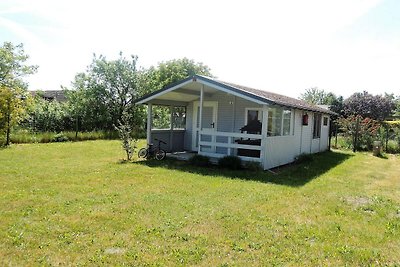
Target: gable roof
250, 93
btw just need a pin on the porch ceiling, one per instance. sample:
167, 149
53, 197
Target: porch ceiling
187, 93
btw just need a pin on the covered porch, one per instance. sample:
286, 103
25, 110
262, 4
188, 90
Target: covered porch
209, 120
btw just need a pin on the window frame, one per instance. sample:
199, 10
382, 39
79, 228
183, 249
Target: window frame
317, 131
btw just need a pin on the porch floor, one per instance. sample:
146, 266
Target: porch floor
184, 155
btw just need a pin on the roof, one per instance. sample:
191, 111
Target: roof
57, 95
256, 94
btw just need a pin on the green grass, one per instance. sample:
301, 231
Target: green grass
79, 204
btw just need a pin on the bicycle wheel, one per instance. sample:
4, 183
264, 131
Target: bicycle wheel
143, 152
160, 154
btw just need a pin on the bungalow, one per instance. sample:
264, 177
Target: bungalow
222, 119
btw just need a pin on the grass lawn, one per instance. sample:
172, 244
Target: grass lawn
77, 204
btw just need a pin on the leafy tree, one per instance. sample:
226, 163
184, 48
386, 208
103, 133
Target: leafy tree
317, 96
12, 66
106, 89
369, 106
337, 106
172, 71
13, 96
126, 133
49, 116
361, 131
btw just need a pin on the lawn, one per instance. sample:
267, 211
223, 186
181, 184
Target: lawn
78, 204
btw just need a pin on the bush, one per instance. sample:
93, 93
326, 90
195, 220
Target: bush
303, 158
252, 166
60, 137
393, 147
200, 161
230, 162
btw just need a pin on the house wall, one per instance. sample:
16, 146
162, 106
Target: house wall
280, 150
165, 135
324, 144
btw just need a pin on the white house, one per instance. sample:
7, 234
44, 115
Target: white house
227, 119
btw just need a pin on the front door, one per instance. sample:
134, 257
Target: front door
209, 122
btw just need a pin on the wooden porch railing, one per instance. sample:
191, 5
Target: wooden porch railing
231, 145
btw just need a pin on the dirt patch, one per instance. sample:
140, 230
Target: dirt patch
115, 251
358, 202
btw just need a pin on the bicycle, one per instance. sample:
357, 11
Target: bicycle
151, 151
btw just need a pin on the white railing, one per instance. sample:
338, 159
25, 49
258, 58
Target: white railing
209, 148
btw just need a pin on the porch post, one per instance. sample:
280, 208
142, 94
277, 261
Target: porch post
171, 130
264, 128
149, 121
200, 114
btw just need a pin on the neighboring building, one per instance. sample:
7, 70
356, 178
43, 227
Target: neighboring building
236, 120
50, 95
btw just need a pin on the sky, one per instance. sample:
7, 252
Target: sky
287, 46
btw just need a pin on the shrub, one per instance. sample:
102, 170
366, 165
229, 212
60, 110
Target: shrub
303, 158
60, 137
393, 147
252, 166
230, 162
200, 161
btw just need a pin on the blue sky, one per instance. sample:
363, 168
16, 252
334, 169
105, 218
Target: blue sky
287, 46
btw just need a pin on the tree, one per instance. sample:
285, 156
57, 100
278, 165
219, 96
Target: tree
317, 96
126, 133
13, 96
172, 71
369, 106
361, 131
106, 90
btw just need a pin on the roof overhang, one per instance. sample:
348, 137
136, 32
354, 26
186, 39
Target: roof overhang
188, 90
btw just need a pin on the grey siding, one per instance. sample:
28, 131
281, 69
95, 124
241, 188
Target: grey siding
177, 143
189, 129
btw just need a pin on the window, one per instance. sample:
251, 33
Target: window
253, 114
179, 117
325, 121
274, 121
317, 126
287, 116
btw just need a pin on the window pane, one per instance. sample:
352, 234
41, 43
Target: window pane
287, 116
274, 121
325, 121
179, 118
252, 115
161, 117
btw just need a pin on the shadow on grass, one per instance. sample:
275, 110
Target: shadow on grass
295, 175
